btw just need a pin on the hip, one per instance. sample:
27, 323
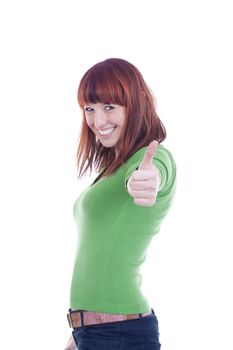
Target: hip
136, 333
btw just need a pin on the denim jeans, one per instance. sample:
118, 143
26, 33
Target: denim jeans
137, 334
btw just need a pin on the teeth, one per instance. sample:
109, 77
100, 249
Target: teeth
106, 132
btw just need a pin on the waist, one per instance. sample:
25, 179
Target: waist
78, 318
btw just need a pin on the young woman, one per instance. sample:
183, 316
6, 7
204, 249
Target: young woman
120, 212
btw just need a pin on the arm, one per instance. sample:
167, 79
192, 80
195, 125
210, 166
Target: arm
71, 344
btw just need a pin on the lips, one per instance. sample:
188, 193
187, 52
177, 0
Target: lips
108, 131
111, 127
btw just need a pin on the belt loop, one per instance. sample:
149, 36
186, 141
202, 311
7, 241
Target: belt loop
69, 320
81, 314
140, 315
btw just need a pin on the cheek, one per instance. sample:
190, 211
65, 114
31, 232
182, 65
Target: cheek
90, 126
122, 123
122, 120
88, 121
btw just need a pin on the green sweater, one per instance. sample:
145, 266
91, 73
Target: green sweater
113, 237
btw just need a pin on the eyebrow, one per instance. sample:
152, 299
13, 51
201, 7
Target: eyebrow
103, 103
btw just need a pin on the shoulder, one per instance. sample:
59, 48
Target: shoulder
166, 164
162, 153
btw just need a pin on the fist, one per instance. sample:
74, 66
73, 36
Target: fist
143, 183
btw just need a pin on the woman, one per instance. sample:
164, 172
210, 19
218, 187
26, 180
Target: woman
120, 212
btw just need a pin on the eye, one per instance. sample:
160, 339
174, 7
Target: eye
110, 107
87, 109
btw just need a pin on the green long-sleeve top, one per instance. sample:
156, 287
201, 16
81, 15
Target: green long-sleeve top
113, 235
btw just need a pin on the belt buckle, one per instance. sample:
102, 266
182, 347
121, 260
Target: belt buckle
69, 320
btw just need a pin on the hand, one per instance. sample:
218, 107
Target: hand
143, 183
71, 344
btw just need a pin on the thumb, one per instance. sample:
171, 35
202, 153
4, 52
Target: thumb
148, 156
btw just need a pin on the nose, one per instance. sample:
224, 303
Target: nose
100, 120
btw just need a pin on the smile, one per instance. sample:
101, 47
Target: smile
107, 132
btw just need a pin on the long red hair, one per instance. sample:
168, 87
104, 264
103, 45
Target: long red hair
115, 80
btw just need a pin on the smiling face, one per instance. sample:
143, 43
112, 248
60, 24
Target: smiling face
107, 122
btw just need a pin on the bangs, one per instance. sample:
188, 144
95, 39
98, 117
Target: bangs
101, 86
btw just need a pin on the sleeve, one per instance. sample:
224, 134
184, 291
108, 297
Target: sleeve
164, 162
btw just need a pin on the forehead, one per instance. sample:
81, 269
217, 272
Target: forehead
103, 91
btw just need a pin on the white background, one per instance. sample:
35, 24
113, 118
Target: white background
184, 51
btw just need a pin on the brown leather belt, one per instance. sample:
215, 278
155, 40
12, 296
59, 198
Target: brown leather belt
89, 317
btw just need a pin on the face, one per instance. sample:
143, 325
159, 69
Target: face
107, 122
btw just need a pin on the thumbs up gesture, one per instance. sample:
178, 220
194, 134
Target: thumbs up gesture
143, 183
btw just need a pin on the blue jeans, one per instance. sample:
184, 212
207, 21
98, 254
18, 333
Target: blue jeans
137, 334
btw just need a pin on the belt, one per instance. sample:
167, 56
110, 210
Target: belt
78, 318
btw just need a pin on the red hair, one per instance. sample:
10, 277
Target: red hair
117, 81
